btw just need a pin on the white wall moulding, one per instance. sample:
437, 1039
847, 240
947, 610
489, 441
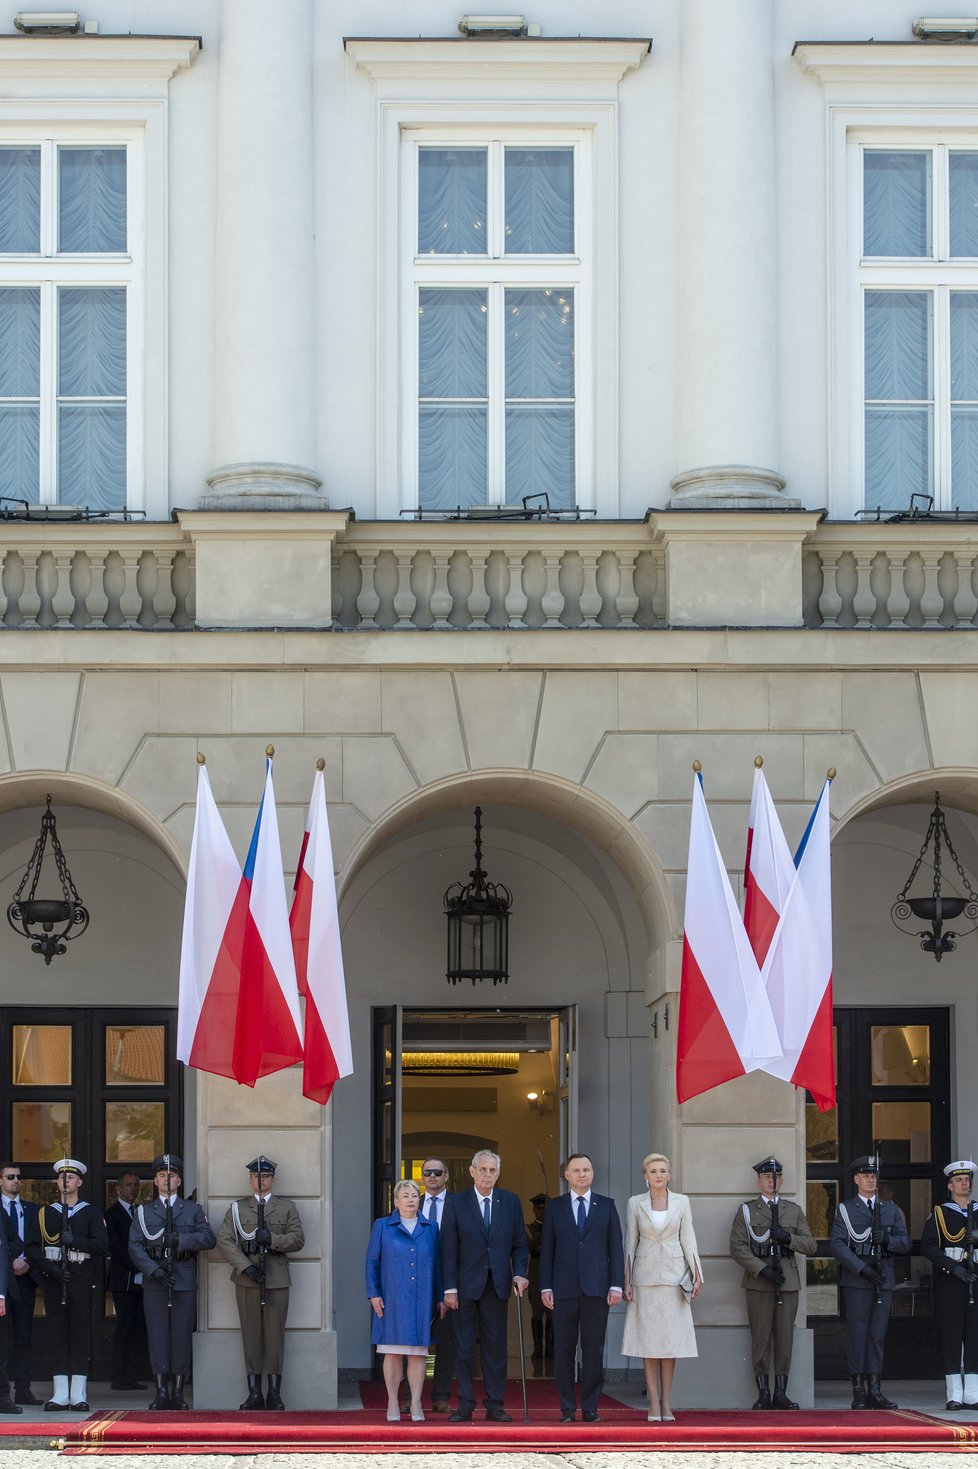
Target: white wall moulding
883, 576
73, 66
887, 61
730, 487
575, 59
263, 487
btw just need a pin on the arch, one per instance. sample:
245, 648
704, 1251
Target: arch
957, 784
585, 812
19, 789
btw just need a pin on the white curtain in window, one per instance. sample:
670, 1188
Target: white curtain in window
20, 200
92, 366
899, 410
20, 355
452, 201
963, 169
451, 367
540, 367
964, 399
539, 201
92, 200
896, 204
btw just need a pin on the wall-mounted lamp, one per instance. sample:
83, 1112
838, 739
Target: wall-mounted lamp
496, 25
540, 1102
48, 22
945, 27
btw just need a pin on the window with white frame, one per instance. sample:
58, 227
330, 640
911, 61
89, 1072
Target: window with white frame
67, 276
917, 321
497, 301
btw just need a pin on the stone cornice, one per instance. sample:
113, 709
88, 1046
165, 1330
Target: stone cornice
886, 61
595, 58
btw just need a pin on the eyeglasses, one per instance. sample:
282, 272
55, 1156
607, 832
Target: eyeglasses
11, 1178
432, 1172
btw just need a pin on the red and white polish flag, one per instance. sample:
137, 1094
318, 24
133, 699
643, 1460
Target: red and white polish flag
769, 870
797, 971
726, 1027
315, 925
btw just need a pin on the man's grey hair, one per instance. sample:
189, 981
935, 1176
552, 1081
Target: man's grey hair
487, 1153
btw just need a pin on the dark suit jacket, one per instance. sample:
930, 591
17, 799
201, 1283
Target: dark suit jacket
587, 1264
470, 1257
16, 1246
893, 1225
7, 1276
118, 1222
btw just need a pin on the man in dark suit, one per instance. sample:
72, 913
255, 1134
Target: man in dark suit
125, 1283
434, 1176
483, 1251
19, 1217
7, 1286
582, 1272
866, 1231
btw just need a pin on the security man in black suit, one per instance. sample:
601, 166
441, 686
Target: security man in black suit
7, 1286
483, 1252
950, 1242
165, 1238
19, 1217
582, 1273
125, 1283
866, 1232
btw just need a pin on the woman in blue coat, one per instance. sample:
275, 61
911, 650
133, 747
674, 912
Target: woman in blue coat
404, 1287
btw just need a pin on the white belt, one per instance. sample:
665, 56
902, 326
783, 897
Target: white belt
75, 1257
955, 1253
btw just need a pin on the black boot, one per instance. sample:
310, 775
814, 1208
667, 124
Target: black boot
177, 1399
273, 1397
876, 1397
858, 1391
254, 1402
781, 1398
537, 1327
763, 1390
162, 1399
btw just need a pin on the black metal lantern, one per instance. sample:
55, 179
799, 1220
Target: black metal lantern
936, 909
478, 923
48, 923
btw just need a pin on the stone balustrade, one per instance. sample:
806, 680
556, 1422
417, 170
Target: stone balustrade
673, 569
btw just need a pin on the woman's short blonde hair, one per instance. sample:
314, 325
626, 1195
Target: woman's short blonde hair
655, 1158
404, 1183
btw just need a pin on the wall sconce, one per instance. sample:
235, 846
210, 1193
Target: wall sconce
540, 1102
48, 22
945, 27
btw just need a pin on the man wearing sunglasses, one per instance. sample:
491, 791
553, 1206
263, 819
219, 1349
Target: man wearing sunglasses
434, 1177
19, 1218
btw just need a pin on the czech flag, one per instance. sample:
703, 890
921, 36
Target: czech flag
768, 870
315, 926
726, 1027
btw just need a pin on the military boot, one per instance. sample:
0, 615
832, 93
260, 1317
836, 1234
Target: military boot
858, 1391
781, 1398
162, 1399
763, 1390
177, 1399
254, 1402
875, 1396
273, 1397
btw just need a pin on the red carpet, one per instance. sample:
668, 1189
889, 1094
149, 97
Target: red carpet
623, 1428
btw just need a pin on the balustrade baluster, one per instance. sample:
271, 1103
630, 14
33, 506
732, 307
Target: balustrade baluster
441, 597
404, 599
147, 586
863, 600
516, 595
13, 589
62, 601
830, 602
931, 601
552, 602
590, 596
626, 598
130, 602
479, 596
165, 600
368, 598
965, 600
30, 597
899, 601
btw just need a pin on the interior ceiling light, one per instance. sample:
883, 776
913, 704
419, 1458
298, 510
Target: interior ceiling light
459, 1063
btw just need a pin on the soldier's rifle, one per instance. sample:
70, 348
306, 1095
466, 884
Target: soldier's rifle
970, 1242
777, 1249
876, 1242
262, 1247
65, 1263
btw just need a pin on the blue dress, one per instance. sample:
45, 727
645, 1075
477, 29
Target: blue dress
405, 1269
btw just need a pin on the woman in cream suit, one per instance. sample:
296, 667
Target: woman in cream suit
660, 1252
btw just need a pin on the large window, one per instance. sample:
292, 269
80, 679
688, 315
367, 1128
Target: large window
498, 289
918, 280
67, 270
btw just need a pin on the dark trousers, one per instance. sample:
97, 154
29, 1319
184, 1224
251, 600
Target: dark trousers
443, 1339
584, 1317
262, 1331
772, 1330
957, 1323
488, 1316
71, 1323
170, 1331
866, 1329
129, 1341
20, 1324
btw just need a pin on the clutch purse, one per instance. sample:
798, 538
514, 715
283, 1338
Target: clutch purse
687, 1283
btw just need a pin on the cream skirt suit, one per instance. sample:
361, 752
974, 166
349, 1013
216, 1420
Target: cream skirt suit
658, 1319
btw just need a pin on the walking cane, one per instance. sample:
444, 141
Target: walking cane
519, 1332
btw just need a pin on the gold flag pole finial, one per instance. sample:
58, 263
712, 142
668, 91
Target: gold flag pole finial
697, 766
758, 761
831, 772
200, 759
270, 751
320, 763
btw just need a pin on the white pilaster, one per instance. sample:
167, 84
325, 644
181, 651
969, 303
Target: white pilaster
727, 324
263, 432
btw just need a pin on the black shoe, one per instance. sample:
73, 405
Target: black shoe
875, 1396
273, 1397
255, 1401
567, 1418
177, 1399
591, 1418
24, 1395
953, 1406
162, 1400
781, 1398
81, 1407
7, 1405
858, 1391
460, 1416
763, 1391
52, 1407
497, 1415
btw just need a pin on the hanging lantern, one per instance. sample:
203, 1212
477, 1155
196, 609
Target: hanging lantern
47, 923
478, 924
937, 908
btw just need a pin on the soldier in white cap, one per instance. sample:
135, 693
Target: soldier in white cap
62, 1244
950, 1242
258, 1234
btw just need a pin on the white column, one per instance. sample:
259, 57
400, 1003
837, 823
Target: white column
263, 432
728, 319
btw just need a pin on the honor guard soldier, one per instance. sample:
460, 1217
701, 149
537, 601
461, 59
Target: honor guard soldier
766, 1235
866, 1232
166, 1235
258, 1234
62, 1245
950, 1242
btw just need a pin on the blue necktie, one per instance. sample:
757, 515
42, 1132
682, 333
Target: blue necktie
581, 1215
485, 1214
433, 1212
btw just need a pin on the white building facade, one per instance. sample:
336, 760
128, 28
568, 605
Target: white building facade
510, 420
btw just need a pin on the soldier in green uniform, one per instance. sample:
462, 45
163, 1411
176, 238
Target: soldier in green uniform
258, 1234
766, 1235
